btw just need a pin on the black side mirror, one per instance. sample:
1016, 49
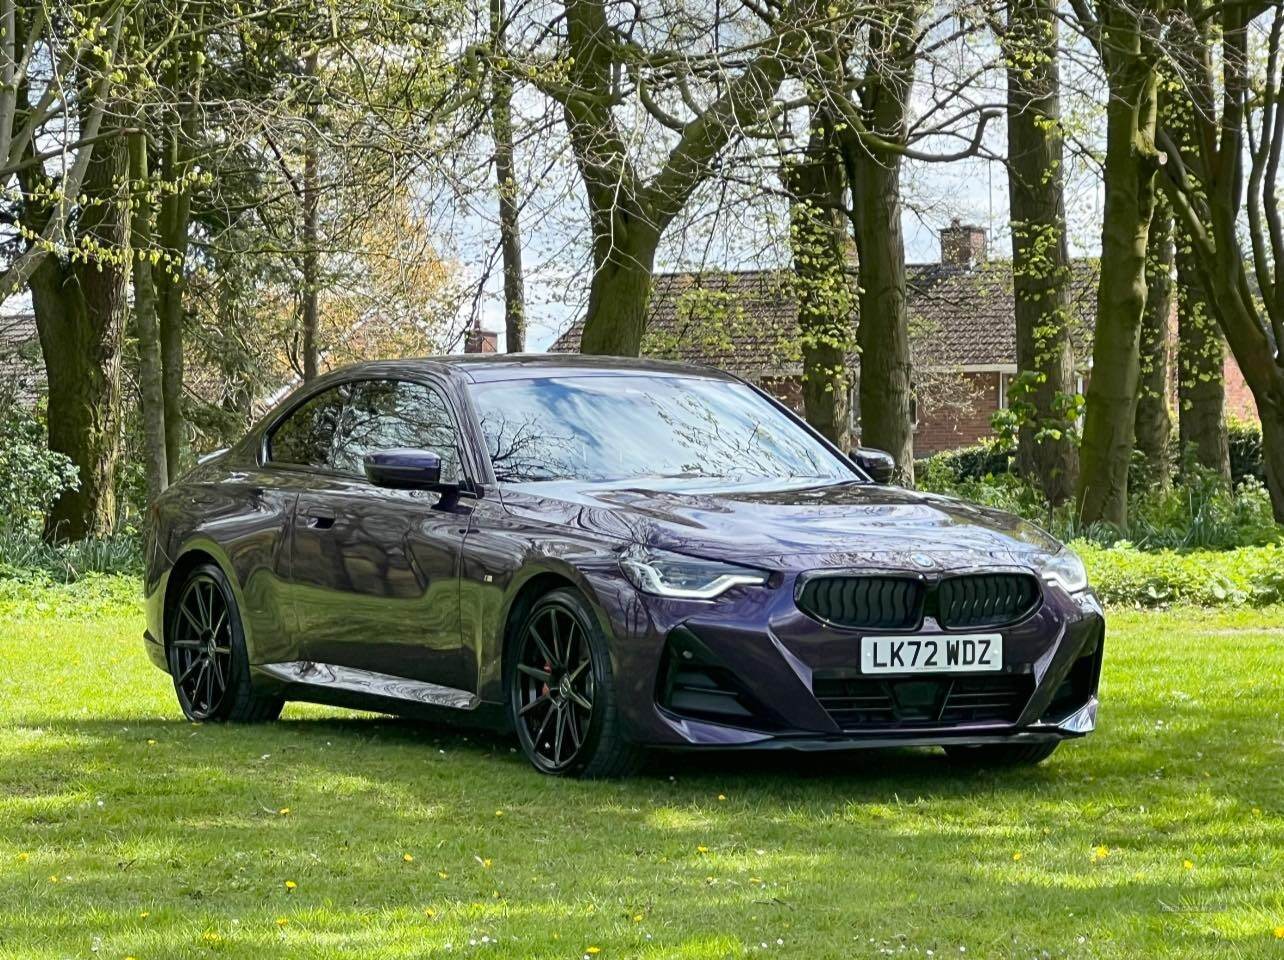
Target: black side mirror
877, 463
406, 470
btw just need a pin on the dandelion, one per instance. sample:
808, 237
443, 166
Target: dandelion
722, 796
702, 849
53, 879
23, 857
593, 951
282, 921
755, 879
637, 918
209, 936
1101, 852
151, 743
499, 813
1279, 933
1016, 856
284, 811
429, 912
1188, 865
290, 885
144, 915
408, 858
442, 874
1257, 811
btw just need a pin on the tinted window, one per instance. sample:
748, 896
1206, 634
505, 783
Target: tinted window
625, 427
306, 437
386, 414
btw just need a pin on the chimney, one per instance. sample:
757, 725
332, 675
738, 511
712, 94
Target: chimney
963, 245
481, 341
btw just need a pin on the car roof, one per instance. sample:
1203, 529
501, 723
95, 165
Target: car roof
484, 367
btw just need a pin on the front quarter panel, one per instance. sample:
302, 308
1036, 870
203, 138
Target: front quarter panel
239, 516
503, 555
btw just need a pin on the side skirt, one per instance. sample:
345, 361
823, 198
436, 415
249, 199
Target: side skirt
321, 677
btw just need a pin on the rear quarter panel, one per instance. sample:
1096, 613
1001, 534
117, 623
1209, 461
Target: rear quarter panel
238, 515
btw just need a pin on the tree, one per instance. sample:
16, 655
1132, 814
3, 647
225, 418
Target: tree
1237, 120
510, 236
1126, 37
1042, 395
822, 286
1201, 359
1154, 425
699, 103
78, 269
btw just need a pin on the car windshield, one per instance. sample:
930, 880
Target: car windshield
627, 427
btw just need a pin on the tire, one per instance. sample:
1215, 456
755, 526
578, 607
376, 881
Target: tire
208, 660
560, 663
1003, 754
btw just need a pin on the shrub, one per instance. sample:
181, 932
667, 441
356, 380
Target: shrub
1197, 512
1245, 439
27, 558
31, 475
1123, 574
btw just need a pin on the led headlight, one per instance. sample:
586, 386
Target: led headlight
685, 578
1065, 569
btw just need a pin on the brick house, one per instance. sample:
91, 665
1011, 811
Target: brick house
962, 331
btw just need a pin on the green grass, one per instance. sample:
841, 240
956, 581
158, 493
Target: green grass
125, 832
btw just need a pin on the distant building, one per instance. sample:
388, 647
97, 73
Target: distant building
963, 334
22, 373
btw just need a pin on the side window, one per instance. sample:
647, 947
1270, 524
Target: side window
386, 414
306, 437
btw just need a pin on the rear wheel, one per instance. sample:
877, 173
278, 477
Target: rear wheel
207, 655
1003, 754
562, 699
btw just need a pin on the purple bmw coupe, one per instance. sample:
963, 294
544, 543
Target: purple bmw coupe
607, 556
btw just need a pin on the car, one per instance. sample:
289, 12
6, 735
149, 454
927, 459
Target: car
608, 556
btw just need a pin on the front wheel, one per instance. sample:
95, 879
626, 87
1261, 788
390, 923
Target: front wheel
562, 700
207, 655
1003, 754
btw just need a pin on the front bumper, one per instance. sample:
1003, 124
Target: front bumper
793, 679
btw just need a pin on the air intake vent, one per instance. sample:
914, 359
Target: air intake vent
862, 703
985, 600
871, 603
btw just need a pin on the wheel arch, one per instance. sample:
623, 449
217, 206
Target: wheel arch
524, 598
193, 555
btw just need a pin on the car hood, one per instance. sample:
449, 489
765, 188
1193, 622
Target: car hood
836, 525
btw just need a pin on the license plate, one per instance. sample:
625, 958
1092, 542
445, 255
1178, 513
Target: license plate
955, 653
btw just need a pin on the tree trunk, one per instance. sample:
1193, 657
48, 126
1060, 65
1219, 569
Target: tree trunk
510, 239
886, 410
150, 374
620, 291
1201, 357
311, 257
1153, 424
174, 224
826, 301
1121, 294
1043, 393
80, 316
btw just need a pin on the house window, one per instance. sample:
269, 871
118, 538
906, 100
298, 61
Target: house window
1003, 390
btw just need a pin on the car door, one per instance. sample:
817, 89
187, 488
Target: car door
375, 571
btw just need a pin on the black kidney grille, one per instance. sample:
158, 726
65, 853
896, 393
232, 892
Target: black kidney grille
883, 603
866, 703
985, 599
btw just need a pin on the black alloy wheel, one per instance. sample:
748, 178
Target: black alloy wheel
207, 658
562, 694
201, 647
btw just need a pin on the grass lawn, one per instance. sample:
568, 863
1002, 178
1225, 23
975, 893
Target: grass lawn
126, 832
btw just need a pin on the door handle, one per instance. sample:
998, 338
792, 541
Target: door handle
320, 519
